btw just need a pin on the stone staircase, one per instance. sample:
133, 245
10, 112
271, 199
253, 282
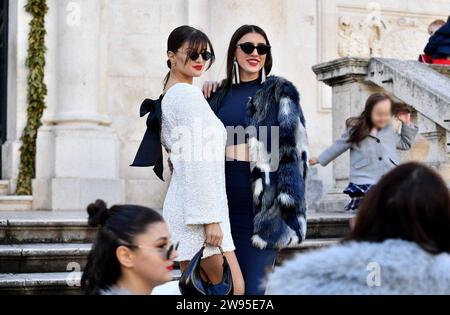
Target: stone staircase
10, 202
45, 252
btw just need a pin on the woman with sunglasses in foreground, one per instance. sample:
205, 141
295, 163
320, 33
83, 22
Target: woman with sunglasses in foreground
132, 253
195, 207
266, 197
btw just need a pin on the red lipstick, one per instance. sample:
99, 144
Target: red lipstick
198, 68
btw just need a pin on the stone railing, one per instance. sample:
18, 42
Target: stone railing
426, 88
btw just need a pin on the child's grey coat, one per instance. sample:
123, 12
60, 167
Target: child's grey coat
374, 156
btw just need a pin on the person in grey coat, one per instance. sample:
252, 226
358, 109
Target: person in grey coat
373, 144
400, 244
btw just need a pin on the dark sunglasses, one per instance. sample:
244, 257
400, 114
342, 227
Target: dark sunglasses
167, 252
171, 249
206, 55
249, 48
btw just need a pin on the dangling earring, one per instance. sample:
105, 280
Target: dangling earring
263, 75
236, 77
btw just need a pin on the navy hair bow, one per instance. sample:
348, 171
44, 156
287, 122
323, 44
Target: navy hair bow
150, 150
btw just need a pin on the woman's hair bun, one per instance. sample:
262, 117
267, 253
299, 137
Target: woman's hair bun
98, 213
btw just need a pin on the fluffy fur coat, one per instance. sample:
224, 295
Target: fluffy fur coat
278, 194
401, 267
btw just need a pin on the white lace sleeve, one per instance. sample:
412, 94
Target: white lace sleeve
197, 152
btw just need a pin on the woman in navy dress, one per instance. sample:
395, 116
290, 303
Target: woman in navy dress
236, 103
254, 262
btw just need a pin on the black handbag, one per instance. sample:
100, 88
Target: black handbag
192, 284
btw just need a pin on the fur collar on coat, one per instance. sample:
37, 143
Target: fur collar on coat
403, 268
278, 193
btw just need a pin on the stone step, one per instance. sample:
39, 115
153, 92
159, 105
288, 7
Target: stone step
40, 246
442, 69
71, 227
54, 283
45, 227
4, 187
333, 203
308, 245
16, 203
28, 258
68, 283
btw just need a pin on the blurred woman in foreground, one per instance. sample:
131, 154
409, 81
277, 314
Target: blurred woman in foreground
132, 253
400, 243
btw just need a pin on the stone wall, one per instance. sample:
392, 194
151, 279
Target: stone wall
125, 63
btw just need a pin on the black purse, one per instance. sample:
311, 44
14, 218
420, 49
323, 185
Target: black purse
192, 284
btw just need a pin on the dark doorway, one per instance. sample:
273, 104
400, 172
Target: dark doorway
3, 72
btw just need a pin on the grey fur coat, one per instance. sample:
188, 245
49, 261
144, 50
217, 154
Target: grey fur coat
392, 267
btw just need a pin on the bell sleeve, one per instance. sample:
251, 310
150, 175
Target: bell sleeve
203, 179
407, 136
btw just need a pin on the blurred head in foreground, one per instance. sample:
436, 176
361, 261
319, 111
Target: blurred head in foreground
132, 253
411, 203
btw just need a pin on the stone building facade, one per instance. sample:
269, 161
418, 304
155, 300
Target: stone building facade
105, 56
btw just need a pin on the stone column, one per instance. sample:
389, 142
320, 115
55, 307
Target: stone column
17, 89
77, 150
429, 145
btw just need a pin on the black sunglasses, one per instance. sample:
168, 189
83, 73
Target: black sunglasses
206, 55
248, 48
167, 252
171, 249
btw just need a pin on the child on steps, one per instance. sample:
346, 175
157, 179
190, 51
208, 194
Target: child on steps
372, 141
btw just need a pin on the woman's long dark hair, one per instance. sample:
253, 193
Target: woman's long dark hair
362, 125
197, 41
241, 32
411, 203
118, 225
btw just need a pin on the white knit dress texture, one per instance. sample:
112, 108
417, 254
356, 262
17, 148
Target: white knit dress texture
196, 141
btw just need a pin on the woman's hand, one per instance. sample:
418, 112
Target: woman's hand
213, 234
405, 118
313, 161
210, 87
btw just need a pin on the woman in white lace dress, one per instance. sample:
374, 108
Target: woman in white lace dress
195, 207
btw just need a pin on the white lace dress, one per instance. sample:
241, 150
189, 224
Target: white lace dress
196, 141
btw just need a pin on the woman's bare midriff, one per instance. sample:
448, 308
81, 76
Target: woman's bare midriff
237, 152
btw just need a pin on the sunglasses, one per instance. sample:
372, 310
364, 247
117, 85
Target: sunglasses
249, 48
206, 55
166, 252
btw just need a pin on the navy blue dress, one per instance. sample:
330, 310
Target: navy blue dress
254, 262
